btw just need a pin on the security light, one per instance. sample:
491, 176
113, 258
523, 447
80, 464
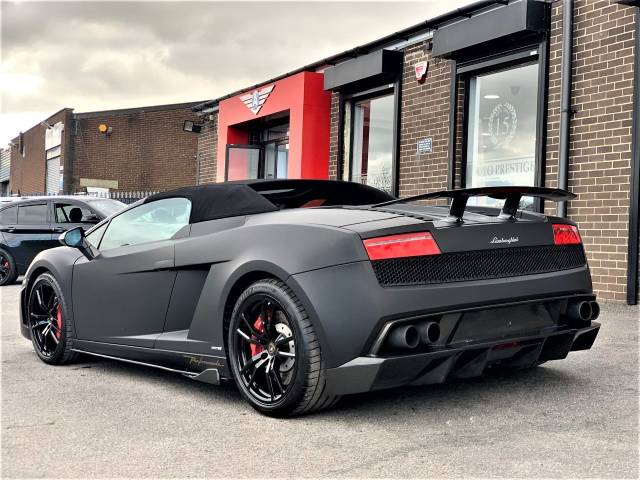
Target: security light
104, 128
191, 126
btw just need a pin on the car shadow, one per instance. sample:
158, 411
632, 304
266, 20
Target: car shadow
459, 393
466, 394
151, 375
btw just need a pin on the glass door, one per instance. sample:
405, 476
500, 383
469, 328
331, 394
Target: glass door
276, 158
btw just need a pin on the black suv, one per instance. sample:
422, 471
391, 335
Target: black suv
30, 225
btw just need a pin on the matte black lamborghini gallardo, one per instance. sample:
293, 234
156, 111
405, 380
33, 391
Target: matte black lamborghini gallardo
303, 291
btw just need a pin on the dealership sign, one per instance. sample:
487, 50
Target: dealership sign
255, 100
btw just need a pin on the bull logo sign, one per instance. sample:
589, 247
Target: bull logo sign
256, 99
421, 69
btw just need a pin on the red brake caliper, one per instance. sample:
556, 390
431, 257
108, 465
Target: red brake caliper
256, 349
59, 322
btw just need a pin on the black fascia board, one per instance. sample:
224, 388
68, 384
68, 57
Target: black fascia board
377, 67
515, 20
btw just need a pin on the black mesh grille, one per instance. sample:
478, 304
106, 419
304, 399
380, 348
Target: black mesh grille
478, 265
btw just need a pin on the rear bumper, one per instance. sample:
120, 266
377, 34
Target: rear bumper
462, 361
349, 307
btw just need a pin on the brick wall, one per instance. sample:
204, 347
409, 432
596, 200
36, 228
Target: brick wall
600, 142
207, 151
424, 113
147, 149
334, 134
28, 171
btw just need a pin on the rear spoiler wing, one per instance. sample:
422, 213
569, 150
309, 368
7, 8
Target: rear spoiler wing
511, 196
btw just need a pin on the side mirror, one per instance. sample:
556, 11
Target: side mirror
74, 238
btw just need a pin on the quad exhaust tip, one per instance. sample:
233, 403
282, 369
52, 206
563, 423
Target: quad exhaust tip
583, 311
406, 336
429, 332
410, 336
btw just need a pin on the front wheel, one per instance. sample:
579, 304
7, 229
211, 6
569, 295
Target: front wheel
49, 321
274, 352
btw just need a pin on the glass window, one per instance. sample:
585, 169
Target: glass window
501, 128
243, 163
71, 213
372, 142
33, 214
9, 216
150, 222
96, 235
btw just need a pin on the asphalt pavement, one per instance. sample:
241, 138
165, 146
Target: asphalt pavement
98, 418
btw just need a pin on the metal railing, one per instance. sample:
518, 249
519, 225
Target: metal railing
127, 197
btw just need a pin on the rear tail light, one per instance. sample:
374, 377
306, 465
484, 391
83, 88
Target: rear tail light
566, 234
404, 245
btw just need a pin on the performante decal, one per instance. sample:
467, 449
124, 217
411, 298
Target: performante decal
199, 362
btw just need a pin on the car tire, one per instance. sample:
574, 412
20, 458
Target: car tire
8, 268
305, 391
53, 344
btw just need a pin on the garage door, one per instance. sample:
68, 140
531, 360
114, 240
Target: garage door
53, 176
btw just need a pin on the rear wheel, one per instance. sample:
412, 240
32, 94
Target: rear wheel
275, 354
49, 321
8, 268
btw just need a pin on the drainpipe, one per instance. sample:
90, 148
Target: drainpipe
634, 194
565, 101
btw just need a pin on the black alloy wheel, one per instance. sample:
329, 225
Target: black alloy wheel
46, 316
265, 349
274, 353
8, 271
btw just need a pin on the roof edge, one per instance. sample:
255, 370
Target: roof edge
126, 111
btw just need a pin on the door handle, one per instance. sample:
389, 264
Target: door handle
58, 229
8, 229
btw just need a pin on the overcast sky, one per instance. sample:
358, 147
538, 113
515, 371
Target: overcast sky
103, 55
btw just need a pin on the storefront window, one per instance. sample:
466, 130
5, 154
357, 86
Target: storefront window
501, 128
372, 142
243, 162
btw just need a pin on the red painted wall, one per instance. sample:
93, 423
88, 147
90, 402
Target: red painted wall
308, 104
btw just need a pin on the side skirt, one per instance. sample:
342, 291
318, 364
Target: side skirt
205, 368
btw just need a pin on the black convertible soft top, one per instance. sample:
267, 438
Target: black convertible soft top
218, 200
249, 197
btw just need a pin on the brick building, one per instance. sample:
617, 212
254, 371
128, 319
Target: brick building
141, 148
510, 92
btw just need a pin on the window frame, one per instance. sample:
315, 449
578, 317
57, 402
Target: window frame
519, 56
348, 100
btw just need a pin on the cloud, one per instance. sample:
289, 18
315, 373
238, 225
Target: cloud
105, 55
